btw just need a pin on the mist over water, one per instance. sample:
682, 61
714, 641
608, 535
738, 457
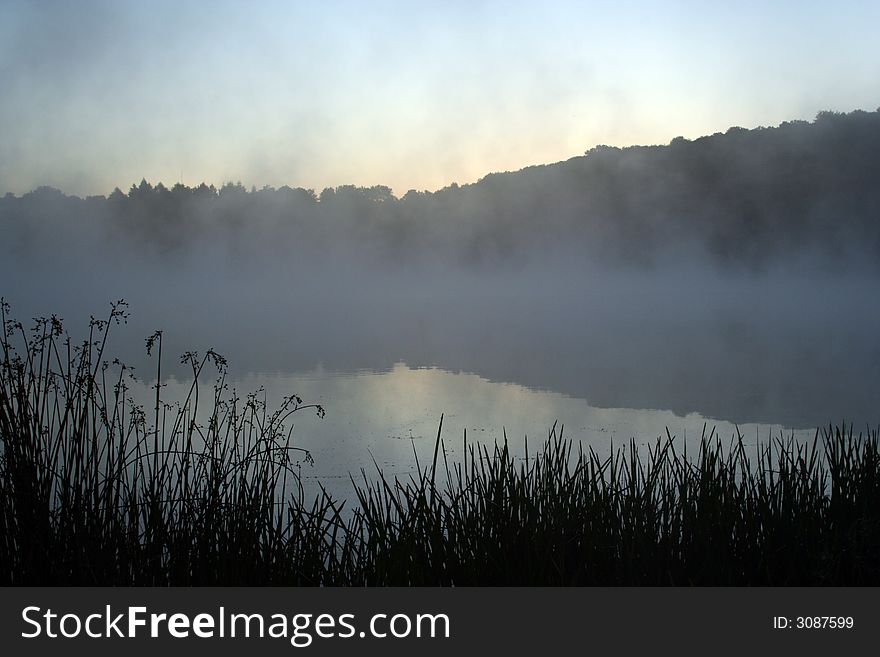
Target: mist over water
667, 312
611, 355
775, 348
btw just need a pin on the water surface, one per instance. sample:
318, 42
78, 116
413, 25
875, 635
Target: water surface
608, 354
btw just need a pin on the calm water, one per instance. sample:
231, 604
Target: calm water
609, 357
384, 419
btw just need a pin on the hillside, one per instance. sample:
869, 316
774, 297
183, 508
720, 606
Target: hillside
744, 197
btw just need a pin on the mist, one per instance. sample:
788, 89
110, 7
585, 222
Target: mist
733, 276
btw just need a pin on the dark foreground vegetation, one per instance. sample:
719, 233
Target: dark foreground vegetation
95, 489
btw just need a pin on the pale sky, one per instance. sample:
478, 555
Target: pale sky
95, 95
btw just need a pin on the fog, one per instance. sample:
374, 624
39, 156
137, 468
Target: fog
733, 277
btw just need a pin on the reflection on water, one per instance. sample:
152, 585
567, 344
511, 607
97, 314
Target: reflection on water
388, 419
796, 352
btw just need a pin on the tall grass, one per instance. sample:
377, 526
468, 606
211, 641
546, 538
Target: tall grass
787, 513
97, 489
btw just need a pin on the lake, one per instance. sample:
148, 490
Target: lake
611, 357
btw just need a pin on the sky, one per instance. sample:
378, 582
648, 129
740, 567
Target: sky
413, 95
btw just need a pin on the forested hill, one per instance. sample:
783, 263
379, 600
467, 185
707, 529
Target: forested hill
742, 197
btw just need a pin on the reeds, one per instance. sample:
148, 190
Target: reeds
781, 513
97, 489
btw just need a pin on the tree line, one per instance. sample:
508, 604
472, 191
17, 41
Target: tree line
742, 197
